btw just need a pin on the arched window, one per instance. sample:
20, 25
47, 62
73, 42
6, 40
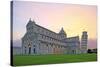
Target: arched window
34, 46
47, 45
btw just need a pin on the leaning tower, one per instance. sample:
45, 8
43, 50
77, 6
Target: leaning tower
84, 42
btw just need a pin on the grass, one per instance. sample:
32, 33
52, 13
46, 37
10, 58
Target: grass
52, 59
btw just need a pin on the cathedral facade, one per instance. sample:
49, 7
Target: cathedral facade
39, 40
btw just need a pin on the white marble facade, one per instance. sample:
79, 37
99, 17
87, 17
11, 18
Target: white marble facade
39, 40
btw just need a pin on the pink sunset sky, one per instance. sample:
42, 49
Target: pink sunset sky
73, 18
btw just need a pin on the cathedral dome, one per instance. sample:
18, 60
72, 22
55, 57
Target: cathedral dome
62, 32
30, 22
30, 25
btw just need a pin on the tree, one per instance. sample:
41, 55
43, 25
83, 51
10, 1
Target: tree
95, 50
89, 51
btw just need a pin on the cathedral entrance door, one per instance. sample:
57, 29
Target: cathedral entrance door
34, 51
29, 50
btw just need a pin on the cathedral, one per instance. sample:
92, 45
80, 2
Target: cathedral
40, 41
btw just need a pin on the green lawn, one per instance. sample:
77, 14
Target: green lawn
52, 59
